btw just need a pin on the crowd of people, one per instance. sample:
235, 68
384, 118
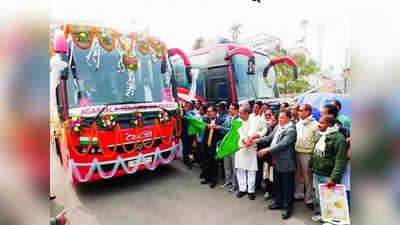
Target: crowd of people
284, 151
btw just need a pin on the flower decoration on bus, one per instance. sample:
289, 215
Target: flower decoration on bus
163, 118
130, 61
76, 124
137, 119
106, 38
108, 121
142, 43
82, 35
126, 41
158, 47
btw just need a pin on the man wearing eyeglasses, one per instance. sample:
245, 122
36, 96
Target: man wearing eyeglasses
212, 135
281, 144
306, 128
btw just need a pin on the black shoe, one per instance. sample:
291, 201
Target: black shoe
204, 182
212, 185
252, 196
201, 176
274, 207
310, 206
298, 199
227, 185
240, 194
286, 214
189, 167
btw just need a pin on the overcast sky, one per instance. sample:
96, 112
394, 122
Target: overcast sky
180, 22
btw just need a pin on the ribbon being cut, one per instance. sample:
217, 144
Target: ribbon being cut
229, 143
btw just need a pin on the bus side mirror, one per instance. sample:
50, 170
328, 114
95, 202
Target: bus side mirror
295, 74
266, 69
164, 65
251, 66
283, 59
188, 71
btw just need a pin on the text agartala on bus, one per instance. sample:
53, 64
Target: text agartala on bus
114, 105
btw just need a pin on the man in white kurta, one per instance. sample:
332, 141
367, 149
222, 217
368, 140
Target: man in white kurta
246, 157
261, 130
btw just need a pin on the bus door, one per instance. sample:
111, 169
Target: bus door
218, 87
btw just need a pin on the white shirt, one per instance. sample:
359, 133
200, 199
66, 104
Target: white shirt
147, 94
246, 158
212, 121
260, 123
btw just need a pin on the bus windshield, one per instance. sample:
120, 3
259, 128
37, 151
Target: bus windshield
109, 83
253, 86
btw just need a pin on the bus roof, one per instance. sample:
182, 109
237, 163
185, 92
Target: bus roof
228, 46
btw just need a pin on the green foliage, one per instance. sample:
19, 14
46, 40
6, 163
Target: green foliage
284, 73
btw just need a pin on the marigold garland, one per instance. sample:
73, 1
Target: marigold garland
153, 139
168, 139
119, 139
102, 149
131, 37
159, 47
106, 38
178, 128
82, 34
92, 134
142, 44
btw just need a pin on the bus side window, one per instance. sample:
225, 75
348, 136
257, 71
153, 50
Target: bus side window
217, 84
223, 89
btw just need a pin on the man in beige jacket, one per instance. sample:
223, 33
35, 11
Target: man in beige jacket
306, 129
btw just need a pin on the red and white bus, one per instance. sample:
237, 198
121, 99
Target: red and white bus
114, 107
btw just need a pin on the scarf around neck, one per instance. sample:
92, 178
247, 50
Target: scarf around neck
321, 145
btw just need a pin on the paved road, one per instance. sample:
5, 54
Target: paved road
169, 195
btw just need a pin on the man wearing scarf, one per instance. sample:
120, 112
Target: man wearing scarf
282, 142
306, 127
328, 161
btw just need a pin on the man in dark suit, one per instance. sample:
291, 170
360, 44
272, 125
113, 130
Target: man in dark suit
282, 144
229, 161
210, 139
